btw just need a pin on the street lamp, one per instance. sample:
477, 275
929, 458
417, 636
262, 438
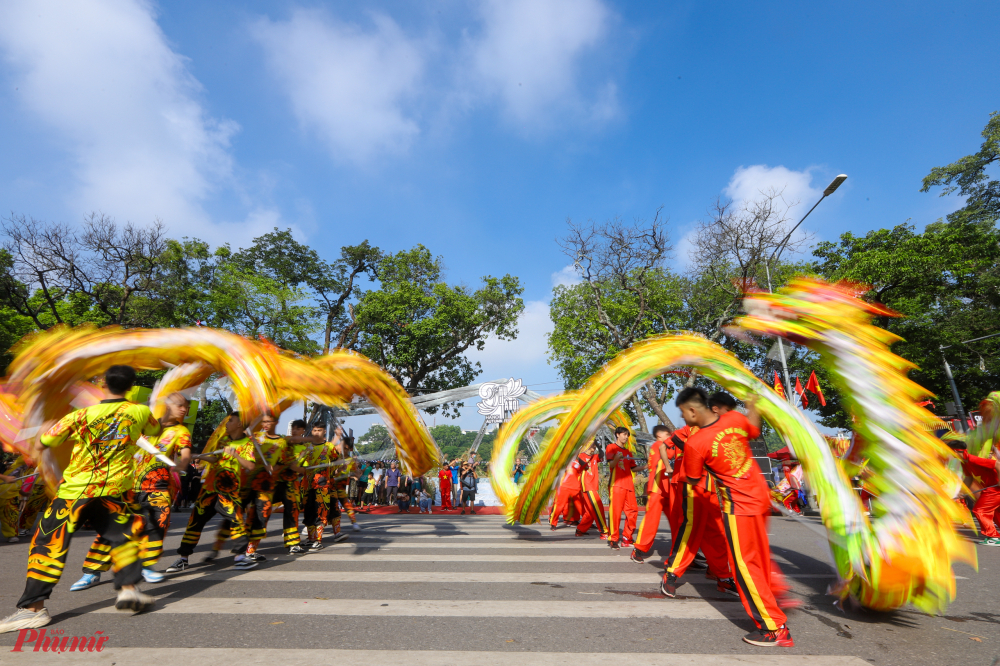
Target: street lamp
830, 189
951, 379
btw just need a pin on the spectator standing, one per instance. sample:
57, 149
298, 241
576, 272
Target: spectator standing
379, 473
369, 496
392, 482
444, 480
456, 486
469, 481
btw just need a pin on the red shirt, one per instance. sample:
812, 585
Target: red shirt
571, 480
658, 468
445, 477
678, 438
621, 474
983, 470
724, 449
592, 473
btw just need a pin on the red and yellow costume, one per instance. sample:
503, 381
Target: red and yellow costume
591, 495
621, 488
722, 451
220, 493
987, 507
444, 480
657, 494
154, 497
568, 497
99, 473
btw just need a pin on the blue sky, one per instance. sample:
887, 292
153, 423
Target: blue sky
478, 128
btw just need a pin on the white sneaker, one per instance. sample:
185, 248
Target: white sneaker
151, 576
133, 600
355, 527
25, 619
13, 539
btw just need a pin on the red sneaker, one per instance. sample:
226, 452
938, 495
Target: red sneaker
728, 586
604, 537
627, 544
763, 638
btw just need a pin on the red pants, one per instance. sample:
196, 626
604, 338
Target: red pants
623, 500
445, 495
758, 581
593, 511
564, 504
985, 511
700, 528
675, 514
656, 504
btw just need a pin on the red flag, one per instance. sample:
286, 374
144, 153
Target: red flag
813, 385
801, 393
778, 388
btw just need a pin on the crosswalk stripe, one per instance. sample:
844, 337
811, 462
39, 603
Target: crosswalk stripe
268, 657
379, 556
474, 544
655, 608
281, 576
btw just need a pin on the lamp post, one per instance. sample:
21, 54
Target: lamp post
951, 379
830, 189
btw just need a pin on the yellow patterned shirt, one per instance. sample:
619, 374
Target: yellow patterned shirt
103, 440
170, 442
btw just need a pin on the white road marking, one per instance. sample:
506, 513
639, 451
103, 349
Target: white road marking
632, 608
269, 657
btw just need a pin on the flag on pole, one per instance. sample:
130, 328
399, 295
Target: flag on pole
778, 388
801, 393
813, 385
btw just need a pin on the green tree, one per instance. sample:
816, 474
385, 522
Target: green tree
945, 284
418, 328
968, 176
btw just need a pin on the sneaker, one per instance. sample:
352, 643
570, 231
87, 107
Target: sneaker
13, 539
340, 537
990, 541
552, 528
256, 557
243, 562
88, 580
296, 550
614, 544
315, 546
463, 512
780, 638
24, 618
625, 543
699, 562
604, 536
711, 576
210, 556
180, 565
474, 511
357, 528
637, 556
151, 576
727, 586
668, 585
580, 534
133, 600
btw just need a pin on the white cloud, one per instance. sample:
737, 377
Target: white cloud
749, 182
348, 84
524, 357
567, 277
529, 51
103, 76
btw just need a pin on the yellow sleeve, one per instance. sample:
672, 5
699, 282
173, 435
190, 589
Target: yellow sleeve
58, 433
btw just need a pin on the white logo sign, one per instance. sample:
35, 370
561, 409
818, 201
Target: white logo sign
499, 401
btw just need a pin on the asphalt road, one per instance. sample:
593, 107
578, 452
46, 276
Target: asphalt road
472, 590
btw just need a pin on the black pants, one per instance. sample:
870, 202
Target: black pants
113, 520
392, 490
206, 506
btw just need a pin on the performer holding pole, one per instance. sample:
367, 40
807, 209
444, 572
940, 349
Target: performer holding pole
721, 449
661, 456
99, 473
590, 460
